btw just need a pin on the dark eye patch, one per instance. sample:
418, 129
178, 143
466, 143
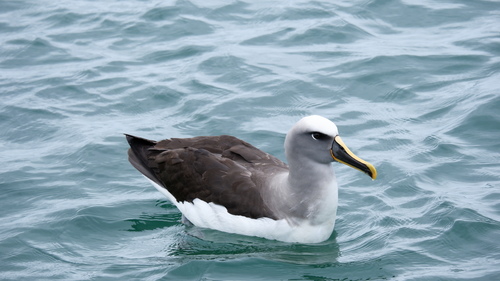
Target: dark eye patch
319, 136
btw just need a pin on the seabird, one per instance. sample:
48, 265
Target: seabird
224, 183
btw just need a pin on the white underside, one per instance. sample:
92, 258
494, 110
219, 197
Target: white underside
213, 216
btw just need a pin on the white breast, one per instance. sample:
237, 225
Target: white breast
213, 216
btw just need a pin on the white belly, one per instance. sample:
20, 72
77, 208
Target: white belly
213, 216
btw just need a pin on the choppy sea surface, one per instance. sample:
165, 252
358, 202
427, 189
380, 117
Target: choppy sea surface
414, 87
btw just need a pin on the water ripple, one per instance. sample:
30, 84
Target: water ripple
412, 85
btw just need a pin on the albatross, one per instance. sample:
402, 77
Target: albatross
224, 183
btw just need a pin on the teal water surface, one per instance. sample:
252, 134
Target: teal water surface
412, 85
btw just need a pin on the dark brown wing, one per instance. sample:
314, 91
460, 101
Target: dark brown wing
221, 169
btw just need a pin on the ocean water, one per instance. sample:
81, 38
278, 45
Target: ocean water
414, 87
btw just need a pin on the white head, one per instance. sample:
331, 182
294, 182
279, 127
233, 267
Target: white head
311, 138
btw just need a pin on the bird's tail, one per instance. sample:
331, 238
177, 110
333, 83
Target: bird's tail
138, 156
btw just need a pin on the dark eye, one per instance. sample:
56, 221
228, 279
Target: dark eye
318, 136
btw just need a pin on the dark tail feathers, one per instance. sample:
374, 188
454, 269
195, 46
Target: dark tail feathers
138, 156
